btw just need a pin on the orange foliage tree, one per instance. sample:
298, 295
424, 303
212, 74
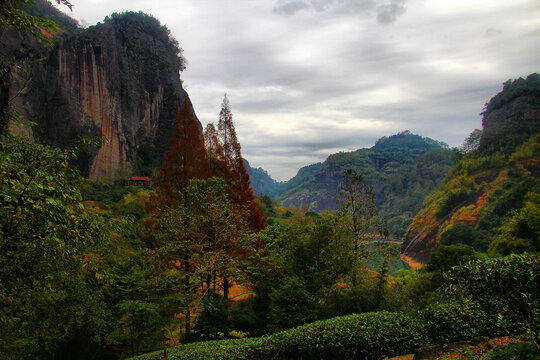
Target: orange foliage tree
175, 243
237, 176
199, 224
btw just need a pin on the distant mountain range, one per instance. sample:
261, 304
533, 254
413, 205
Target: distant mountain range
403, 169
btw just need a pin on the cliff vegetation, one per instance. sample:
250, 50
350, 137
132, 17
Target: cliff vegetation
489, 198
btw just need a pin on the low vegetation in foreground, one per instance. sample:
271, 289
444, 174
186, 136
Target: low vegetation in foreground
489, 297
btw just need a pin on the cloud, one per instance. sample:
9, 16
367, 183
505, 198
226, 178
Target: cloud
307, 78
386, 12
490, 32
290, 7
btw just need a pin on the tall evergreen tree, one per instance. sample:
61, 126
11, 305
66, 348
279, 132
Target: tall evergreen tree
219, 164
238, 179
176, 244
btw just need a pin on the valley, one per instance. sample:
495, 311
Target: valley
129, 228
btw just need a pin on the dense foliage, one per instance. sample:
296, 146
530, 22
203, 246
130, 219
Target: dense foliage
47, 244
513, 89
508, 287
150, 26
363, 336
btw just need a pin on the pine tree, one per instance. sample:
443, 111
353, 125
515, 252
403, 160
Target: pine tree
238, 178
176, 244
187, 158
219, 164
357, 208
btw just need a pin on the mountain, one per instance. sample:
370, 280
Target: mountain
490, 197
402, 169
118, 79
261, 182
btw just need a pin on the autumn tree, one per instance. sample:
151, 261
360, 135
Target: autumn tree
219, 163
187, 158
169, 223
238, 178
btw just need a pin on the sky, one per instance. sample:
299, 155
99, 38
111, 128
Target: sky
308, 78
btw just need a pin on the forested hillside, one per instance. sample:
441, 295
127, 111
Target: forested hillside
403, 169
490, 198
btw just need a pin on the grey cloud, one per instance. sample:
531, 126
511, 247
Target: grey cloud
490, 32
290, 7
388, 13
385, 13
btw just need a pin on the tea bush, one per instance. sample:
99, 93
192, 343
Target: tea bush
508, 287
363, 336
446, 322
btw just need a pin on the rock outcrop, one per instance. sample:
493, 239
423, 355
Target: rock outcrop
489, 185
118, 80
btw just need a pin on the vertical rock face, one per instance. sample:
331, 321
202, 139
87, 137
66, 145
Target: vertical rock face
118, 80
82, 73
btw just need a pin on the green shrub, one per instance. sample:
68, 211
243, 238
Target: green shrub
364, 336
444, 257
460, 233
508, 287
521, 232
234, 349
451, 200
517, 351
446, 322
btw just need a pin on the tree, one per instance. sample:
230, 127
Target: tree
199, 230
47, 240
186, 160
521, 232
361, 220
238, 178
220, 230
472, 142
13, 17
219, 163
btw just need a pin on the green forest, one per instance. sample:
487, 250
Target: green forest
195, 266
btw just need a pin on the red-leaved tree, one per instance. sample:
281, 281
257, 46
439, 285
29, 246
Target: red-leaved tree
237, 176
175, 242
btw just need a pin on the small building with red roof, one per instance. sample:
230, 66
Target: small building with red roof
140, 181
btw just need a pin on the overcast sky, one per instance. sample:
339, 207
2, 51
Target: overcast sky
307, 78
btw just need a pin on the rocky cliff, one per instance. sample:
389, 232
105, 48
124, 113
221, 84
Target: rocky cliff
118, 80
487, 187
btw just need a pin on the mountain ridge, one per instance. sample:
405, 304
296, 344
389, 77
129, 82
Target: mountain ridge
402, 168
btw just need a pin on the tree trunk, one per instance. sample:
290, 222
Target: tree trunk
188, 292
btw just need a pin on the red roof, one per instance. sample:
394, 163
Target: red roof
139, 178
